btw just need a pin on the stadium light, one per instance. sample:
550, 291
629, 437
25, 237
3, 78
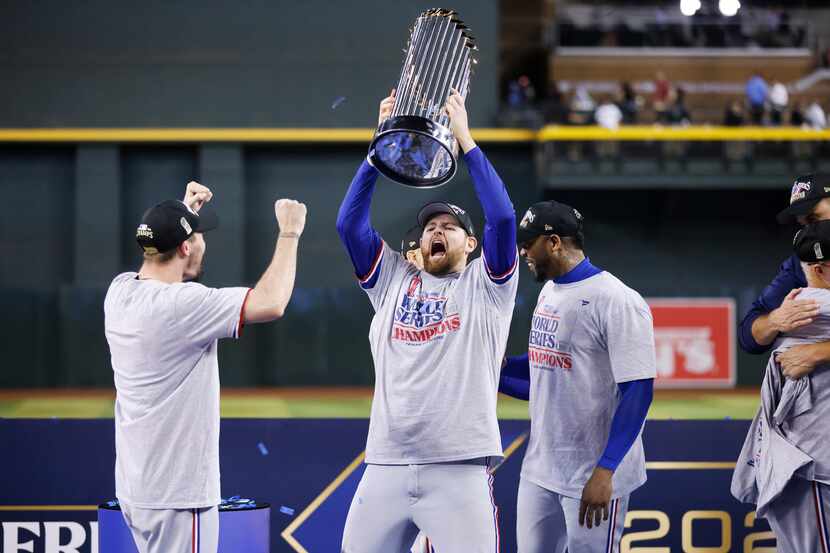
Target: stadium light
729, 7
690, 7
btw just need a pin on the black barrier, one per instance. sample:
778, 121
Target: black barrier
56, 472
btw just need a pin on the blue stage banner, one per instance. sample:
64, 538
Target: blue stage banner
55, 472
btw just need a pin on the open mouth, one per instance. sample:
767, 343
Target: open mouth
437, 249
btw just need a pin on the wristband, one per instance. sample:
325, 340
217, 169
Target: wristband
288, 235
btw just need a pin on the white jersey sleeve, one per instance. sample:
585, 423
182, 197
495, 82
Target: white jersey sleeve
205, 314
388, 266
628, 330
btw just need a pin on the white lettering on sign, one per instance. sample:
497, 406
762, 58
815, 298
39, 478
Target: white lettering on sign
690, 349
58, 537
11, 536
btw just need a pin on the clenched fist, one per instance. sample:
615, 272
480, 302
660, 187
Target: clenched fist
290, 215
196, 195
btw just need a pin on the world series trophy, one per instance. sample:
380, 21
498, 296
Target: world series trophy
415, 145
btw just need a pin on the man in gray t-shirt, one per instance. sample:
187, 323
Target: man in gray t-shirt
162, 334
784, 466
437, 340
589, 373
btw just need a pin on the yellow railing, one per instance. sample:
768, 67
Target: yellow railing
353, 135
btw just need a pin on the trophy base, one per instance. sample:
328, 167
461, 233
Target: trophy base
414, 151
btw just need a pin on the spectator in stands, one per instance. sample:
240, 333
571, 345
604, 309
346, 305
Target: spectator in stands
520, 110
734, 116
661, 92
629, 103
608, 115
815, 116
797, 115
554, 109
582, 107
676, 112
778, 100
520, 93
757, 93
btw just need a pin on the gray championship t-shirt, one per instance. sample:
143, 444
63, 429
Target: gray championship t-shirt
437, 345
810, 430
585, 338
163, 344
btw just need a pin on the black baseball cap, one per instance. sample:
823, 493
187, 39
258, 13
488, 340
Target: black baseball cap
411, 240
168, 224
546, 218
812, 243
437, 208
806, 192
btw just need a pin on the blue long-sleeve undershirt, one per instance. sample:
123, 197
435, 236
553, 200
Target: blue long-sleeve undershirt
499, 234
515, 377
628, 420
790, 275
629, 417
364, 243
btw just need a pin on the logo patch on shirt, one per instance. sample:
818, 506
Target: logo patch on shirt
585, 302
422, 317
544, 350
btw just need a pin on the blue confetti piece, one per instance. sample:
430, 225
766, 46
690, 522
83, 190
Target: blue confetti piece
337, 101
286, 510
262, 449
727, 418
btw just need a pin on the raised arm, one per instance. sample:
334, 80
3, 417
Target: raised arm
353, 225
499, 236
269, 298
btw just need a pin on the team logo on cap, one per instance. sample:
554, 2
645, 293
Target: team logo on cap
143, 231
817, 251
527, 219
456, 209
800, 190
578, 215
185, 225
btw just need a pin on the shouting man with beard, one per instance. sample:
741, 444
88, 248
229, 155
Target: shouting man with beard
589, 373
437, 339
162, 334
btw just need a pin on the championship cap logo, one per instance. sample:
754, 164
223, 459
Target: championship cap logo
817, 251
800, 190
527, 219
186, 226
456, 209
143, 231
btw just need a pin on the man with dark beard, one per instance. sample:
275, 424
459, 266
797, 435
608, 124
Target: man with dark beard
437, 338
589, 374
162, 334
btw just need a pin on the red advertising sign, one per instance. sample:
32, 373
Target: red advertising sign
695, 342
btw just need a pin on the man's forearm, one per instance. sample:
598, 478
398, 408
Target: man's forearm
763, 330
271, 295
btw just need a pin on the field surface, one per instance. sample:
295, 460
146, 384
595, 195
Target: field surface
350, 403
